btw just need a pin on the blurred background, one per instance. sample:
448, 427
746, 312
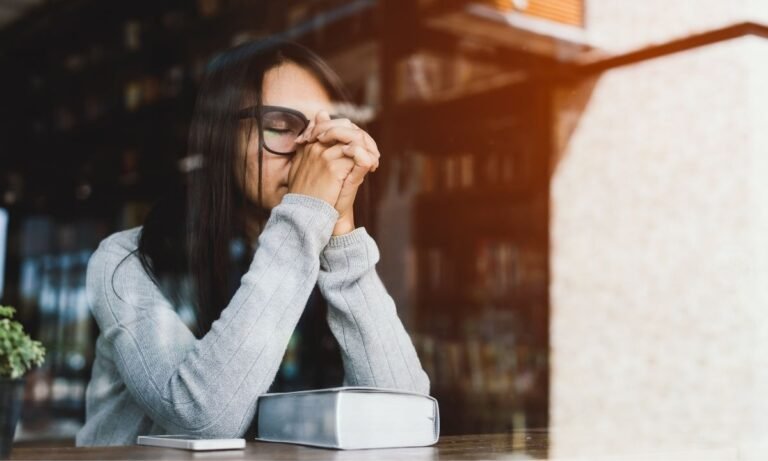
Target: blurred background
569, 207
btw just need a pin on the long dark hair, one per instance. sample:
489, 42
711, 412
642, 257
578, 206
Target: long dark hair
190, 232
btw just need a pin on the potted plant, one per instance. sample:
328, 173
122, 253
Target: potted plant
18, 353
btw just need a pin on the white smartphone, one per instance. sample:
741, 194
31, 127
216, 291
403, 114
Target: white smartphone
190, 442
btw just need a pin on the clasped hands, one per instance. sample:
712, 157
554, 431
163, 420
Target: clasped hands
331, 162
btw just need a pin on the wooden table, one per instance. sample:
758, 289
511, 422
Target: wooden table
530, 445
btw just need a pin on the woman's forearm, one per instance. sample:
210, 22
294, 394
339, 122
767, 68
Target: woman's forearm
376, 349
210, 386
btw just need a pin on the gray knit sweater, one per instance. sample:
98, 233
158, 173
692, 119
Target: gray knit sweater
152, 376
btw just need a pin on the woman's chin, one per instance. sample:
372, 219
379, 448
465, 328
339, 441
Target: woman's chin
280, 193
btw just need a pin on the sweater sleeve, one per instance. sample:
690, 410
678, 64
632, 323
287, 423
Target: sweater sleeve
210, 386
375, 348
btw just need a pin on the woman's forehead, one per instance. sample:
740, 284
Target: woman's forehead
290, 85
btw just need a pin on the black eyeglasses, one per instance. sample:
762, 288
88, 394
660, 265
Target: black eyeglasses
280, 126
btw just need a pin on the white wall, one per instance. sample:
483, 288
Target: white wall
622, 25
659, 243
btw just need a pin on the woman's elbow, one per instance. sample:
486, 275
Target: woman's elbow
422, 383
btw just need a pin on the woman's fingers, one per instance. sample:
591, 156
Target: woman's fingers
329, 151
302, 138
335, 156
364, 162
344, 132
325, 129
325, 124
353, 137
341, 164
356, 134
344, 137
310, 132
362, 156
319, 130
370, 143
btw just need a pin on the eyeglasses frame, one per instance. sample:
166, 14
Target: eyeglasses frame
251, 112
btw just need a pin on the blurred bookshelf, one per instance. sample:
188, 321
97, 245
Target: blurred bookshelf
100, 96
466, 111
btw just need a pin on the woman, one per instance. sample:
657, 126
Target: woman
279, 175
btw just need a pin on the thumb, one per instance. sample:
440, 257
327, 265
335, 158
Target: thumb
363, 164
356, 176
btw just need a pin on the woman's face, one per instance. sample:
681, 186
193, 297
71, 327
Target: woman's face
287, 85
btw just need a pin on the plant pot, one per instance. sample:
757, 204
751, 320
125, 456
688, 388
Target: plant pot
11, 394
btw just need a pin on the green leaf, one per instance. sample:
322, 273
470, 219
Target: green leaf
7, 311
18, 352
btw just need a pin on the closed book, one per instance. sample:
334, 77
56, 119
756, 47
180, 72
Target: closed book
349, 418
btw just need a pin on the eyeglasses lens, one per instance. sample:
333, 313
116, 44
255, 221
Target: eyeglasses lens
281, 130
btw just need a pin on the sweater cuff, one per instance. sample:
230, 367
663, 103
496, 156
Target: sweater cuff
313, 203
350, 238
314, 217
354, 252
